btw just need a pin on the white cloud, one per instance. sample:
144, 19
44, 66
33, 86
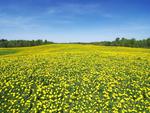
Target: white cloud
72, 11
76, 9
17, 22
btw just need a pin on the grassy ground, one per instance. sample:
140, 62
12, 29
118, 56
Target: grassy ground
74, 78
7, 52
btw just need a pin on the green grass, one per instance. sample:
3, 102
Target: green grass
7, 52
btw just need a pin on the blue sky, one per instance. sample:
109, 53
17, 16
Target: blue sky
74, 20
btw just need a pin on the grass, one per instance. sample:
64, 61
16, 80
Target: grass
7, 51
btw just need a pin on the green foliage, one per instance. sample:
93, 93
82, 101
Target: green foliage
145, 43
22, 43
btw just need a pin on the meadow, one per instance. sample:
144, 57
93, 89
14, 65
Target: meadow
74, 78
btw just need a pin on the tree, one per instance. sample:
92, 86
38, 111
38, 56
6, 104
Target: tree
22, 43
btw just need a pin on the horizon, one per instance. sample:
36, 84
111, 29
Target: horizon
75, 41
65, 21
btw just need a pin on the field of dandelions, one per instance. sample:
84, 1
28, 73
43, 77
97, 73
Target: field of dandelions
61, 78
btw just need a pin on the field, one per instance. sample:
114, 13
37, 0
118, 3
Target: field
74, 78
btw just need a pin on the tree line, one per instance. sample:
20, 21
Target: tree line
22, 43
145, 43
